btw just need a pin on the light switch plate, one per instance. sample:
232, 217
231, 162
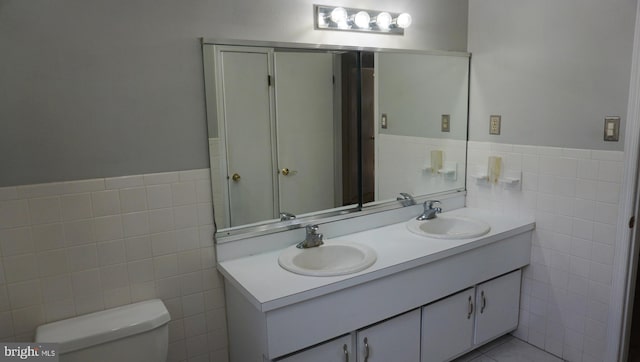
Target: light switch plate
612, 129
494, 124
383, 121
445, 123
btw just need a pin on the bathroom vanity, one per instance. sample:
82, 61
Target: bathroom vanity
424, 299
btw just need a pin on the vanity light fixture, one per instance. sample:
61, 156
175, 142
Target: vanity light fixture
351, 19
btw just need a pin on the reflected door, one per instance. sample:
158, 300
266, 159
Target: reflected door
305, 131
248, 124
368, 135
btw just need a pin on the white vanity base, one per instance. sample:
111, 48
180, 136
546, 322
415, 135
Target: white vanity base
258, 335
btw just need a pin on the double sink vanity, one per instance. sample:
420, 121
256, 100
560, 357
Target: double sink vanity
410, 291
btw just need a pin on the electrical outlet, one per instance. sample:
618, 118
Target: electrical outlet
494, 124
446, 124
383, 121
612, 129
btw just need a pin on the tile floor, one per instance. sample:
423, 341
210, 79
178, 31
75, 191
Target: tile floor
508, 349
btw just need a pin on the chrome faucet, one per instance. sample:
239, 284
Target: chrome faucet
284, 216
430, 211
406, 199
312, 239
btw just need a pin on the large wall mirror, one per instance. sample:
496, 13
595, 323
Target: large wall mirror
298, 133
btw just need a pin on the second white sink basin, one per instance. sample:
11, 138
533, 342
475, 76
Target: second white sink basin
331, 259
449, 227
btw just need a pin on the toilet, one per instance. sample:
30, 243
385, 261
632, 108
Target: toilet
132, 333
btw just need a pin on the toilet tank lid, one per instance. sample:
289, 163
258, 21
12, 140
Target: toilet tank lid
104, 326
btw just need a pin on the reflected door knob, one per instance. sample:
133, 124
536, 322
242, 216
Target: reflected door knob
285, 171
235, 177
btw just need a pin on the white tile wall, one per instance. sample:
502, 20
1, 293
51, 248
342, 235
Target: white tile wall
71, 248
573, 195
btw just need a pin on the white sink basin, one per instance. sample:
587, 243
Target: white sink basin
332, 258
449, 227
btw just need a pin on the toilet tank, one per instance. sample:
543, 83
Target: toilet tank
132, 333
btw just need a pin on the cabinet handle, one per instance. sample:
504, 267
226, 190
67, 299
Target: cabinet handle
470, 311
484, 302
346, 353
366, 350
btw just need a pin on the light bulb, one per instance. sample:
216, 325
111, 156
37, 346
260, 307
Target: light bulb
339, 15
383, 20
403, 21
322, 21
362, 19
344, 25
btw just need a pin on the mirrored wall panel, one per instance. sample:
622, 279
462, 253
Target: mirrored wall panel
306, 133
276, 145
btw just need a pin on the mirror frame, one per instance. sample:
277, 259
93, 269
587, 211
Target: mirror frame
322, 216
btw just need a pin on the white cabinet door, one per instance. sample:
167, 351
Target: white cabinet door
497, 306
337, 350
447, 327
397, 340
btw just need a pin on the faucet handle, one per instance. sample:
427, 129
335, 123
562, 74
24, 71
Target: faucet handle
406, 199
312, 229
284, 216
429, 204
313, 234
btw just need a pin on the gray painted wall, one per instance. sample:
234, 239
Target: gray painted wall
93, 88
552, 69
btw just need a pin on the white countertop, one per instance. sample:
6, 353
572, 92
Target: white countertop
268, 286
